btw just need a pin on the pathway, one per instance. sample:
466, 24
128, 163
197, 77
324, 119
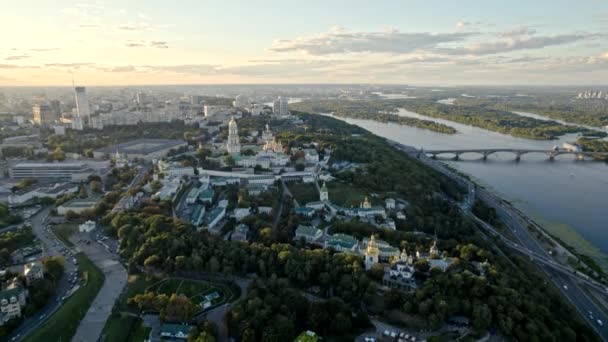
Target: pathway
92, 324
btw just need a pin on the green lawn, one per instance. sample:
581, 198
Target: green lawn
62, 325
64, 231
303, 192
345, 195
186, 287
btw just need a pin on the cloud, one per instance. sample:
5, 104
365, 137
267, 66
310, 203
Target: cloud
515, 43
9, 66
134, 27
68, 65
518, 32
144, 43
89, 26
125, 68
339, 40
44, 49
17, 58
192, 69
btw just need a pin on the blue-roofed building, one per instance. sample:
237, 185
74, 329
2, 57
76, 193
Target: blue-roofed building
304, 211
198, 212
215, 216
309, 233
206, 195
342, 243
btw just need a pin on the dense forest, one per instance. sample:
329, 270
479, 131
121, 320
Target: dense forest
381, 111
592, 113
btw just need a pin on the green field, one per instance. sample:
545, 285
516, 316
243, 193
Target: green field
62, 324
345, 195
303, 192
186, 287
64, 231
122, 326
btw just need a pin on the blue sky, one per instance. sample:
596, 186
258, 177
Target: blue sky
390, 41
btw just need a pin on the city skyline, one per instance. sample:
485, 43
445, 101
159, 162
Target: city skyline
409, 42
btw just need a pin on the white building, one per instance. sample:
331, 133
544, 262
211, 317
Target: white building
11, 303
53, 192
234, 145
87, 227
212, 110
390, 203
63, 170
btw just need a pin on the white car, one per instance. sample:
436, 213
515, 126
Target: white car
600, 322
565, 287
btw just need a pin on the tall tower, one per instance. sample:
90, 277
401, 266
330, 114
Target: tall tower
234, 145
82, 103
372, 253
324, 193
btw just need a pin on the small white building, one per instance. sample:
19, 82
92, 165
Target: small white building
240, 213
87, 227
390, 203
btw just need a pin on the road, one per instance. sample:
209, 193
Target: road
217, 315
50, 246
567, 284
92, 324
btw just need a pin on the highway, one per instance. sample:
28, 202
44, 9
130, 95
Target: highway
568, 284
50, 246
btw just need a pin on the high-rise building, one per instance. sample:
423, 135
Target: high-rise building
56, 108
196, 99
141, 98
281, 106
43, 115
82, 103
234, 144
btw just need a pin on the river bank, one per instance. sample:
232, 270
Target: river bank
565, 197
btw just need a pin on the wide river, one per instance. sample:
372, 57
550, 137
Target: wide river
565, 196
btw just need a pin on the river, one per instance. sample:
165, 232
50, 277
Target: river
565, 196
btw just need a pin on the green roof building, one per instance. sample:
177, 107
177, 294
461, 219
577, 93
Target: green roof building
309, 233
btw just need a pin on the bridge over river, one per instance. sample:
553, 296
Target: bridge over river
518, 153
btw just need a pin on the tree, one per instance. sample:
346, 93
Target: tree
53, 267
82, 193
95, 187
58, 154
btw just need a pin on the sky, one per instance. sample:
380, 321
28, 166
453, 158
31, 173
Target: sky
417, 42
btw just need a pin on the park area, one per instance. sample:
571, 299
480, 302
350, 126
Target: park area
62, 324
124, 323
